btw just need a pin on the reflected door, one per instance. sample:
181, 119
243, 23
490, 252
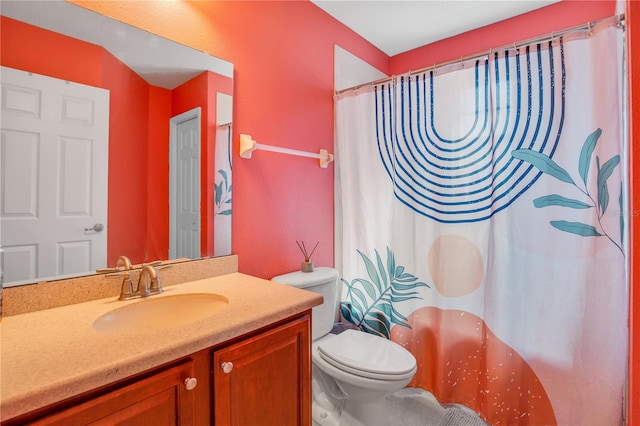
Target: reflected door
53, 176
185, 185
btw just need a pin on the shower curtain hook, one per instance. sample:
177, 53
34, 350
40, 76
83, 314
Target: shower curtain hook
589, 26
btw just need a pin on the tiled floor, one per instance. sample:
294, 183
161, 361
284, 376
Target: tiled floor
413, 407
417, 407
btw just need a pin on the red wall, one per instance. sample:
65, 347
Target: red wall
128, 135
157, 178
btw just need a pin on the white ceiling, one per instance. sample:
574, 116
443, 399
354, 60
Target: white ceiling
396, 26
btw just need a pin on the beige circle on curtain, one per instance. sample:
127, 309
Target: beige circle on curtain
456, 265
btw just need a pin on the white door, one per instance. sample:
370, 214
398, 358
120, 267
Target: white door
184, 171
53, 177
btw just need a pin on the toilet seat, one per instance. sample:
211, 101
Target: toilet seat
368, 356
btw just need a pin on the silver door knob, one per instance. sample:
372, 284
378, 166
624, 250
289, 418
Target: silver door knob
96, 228
227, 367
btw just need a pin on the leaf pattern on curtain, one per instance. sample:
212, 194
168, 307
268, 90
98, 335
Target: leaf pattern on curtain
600, 201
370, 302
222, 204
222, 195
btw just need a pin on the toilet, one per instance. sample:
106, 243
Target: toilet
353, 371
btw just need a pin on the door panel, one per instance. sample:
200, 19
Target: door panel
185, 186
53, 176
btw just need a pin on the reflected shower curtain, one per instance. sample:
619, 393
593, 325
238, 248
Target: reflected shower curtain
480, 211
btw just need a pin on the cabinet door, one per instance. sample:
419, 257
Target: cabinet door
161, 399
266, 379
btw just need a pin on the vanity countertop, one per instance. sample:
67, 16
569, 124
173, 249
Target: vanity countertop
53, 354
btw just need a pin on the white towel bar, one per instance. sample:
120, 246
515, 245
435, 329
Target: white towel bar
248, 145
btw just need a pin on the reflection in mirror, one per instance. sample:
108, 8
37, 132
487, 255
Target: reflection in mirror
97, 181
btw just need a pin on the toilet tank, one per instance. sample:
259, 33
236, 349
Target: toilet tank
323, 281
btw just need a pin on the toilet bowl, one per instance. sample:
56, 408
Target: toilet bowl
353, 372
366, 369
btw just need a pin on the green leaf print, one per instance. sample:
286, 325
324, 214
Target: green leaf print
370, 302
600, 201
542, 163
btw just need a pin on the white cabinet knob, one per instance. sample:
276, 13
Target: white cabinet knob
190, 383
227, 367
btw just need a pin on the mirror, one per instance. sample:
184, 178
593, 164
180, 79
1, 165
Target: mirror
164, 101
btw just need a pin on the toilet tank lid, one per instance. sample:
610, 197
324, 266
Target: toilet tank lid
301, 279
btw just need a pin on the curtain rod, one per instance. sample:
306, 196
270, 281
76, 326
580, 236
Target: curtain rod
589, 26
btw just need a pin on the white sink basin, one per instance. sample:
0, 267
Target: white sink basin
160, 312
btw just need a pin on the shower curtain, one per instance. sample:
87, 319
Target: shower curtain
480, 221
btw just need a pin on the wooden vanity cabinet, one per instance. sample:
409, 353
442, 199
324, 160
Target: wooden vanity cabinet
270, 383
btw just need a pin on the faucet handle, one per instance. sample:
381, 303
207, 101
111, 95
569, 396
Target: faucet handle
126, 291
118, 274
122, 264
106, 270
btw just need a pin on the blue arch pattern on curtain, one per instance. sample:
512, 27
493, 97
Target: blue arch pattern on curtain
519, 103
